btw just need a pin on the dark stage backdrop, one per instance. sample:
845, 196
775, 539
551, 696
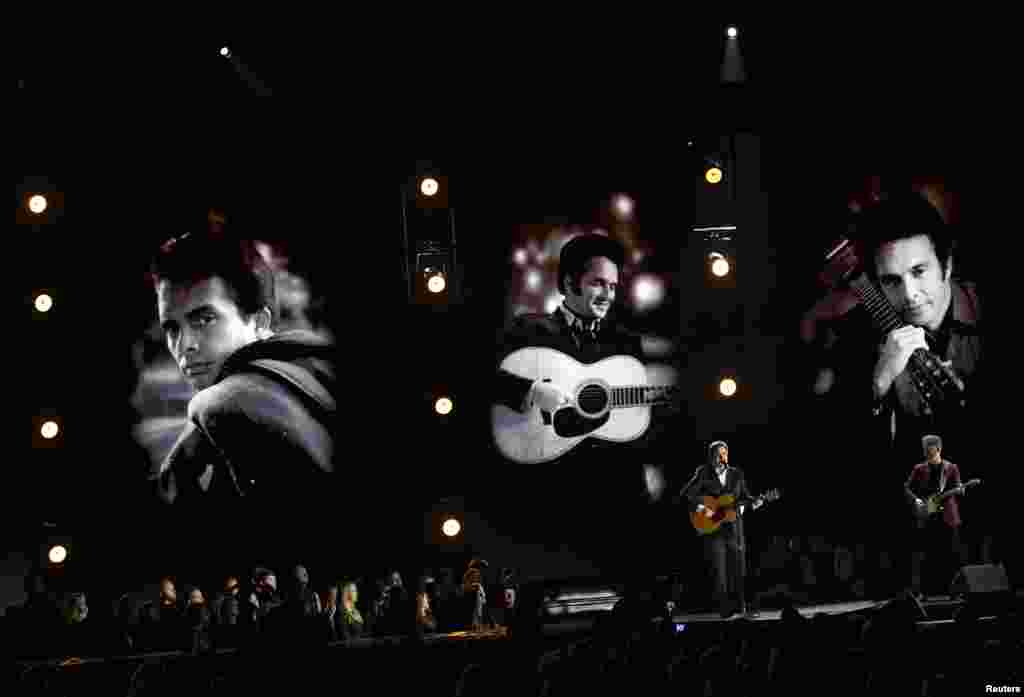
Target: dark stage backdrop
95, 363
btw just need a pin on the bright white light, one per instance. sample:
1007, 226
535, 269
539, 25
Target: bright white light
225, 51
429, 186
623, 205
655, 481
44, 302
443, 406
552, 302
648, 291
719, 265
436, 283
58, 553
731, 32
727, 387
451, 527
713, 175
49, 430
533, 279
37, 203
520, 257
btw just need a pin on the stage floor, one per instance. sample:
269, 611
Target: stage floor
776, 615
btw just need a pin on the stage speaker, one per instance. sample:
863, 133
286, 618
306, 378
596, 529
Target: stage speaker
980, 578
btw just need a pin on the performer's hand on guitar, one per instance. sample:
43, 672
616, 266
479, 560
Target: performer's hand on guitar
707, 511
896, 352
548, 396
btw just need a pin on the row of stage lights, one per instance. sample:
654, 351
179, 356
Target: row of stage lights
37, 204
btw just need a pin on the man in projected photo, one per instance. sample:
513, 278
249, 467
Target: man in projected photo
909, 256
588, 276
261, 419
582, 328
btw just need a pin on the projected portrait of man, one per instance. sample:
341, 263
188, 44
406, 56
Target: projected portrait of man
262, 409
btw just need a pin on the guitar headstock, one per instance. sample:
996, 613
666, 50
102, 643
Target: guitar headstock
843, 260
771, 495
973, 482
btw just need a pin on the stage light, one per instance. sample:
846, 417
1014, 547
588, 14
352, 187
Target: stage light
451, 527
713, 175
648, 291
429, 186
719, 264
436, 282
58, 553
443, 406
49, 430
520, 257
533, 279
623, 205
552, 302
37, 203
727, 387
44, 302
731, 32
225, 51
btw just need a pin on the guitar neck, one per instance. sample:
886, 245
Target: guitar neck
876, 304
640, 395
954, 491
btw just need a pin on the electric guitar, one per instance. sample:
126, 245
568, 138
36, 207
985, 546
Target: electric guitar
611, 400
935, 503
940, 389
725, 510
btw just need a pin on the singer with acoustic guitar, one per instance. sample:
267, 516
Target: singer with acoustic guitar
724, 546
932, 490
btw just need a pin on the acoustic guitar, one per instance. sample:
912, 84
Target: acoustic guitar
936, 502
940, 389
611, 401
725, 510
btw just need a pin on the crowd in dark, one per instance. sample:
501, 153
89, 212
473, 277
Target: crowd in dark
252, 608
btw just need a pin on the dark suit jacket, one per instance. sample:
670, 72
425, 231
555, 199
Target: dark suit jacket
552, 331
919, 484
705, 482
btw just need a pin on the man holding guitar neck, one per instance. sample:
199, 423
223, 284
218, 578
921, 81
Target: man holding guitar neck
938, 536
725, 547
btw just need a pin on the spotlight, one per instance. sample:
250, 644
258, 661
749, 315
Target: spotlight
520, 257
713, 175
533, 279
58, 553
44, 302
731, 32
429, 186
436, 282
37, 203
727, 387
451, 527
623, 205
719, 264
225, 51
443, 406
648, 291
49, 430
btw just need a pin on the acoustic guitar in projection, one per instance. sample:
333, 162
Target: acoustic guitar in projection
940, 389
611, 400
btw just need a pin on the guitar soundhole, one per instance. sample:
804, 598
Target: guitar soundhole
592, 399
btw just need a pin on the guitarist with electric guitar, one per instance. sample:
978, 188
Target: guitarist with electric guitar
932, 490
718, 499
